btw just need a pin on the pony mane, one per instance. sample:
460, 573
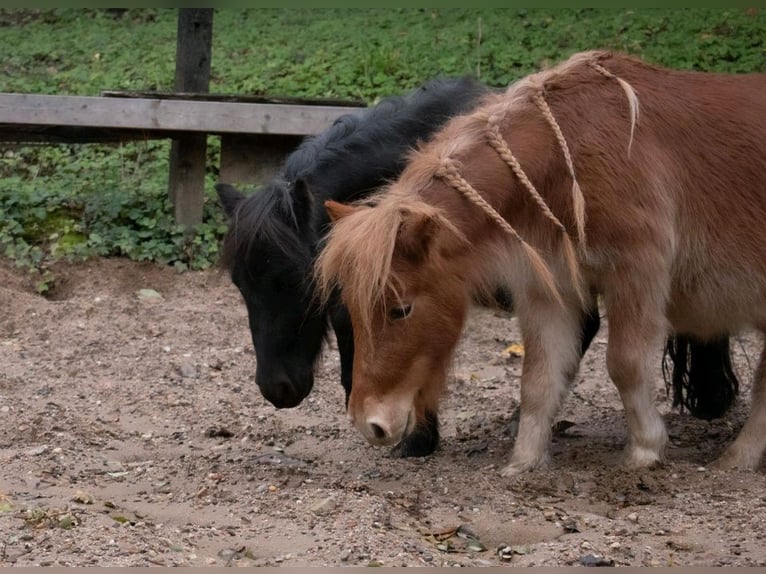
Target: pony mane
359, 252
357, 154
267, 216
360, 152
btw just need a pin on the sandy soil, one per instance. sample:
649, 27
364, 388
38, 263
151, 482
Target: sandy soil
132, 433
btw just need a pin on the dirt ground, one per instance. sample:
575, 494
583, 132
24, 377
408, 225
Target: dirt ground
132, 434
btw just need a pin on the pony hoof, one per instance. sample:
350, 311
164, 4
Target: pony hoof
641, 457
733, 460
422, 441
515, 468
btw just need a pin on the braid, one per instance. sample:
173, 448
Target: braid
501, 147
449, 172
578, 200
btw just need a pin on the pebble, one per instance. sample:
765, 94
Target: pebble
148, 295
187, 370
595, 560
324, 506
633, 517
615, 545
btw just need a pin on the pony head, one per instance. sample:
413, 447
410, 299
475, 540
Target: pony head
406, 324
270, 262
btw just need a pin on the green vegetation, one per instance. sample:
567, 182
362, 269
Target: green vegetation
77, 201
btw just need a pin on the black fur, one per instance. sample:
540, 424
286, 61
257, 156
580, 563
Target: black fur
703, 379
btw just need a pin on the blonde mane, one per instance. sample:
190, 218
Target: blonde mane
359, 252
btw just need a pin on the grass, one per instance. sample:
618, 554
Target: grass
77, 201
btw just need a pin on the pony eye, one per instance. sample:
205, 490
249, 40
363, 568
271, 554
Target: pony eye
400, 312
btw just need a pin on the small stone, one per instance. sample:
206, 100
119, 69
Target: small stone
324, 506
615, 545
187, 370
38, 450
5, 409
586, 545
633, 517
701, 469
149, 295
505, 552
114, 466
227, 554
570, 524
595, 560
550, 515
82, 497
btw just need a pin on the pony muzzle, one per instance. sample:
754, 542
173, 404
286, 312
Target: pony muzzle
382, 428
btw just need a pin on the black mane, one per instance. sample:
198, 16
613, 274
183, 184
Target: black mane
353, 157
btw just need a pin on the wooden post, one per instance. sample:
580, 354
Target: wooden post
188, 153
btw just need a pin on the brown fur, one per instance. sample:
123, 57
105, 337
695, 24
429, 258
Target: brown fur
674, 210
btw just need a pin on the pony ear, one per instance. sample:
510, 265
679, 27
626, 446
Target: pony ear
229, 197
337, 210
415, 234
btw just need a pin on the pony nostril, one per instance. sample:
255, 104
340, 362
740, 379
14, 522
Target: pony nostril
378, 431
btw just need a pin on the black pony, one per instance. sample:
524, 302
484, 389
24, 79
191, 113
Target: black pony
274, 236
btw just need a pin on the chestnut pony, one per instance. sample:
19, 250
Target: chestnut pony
603, 176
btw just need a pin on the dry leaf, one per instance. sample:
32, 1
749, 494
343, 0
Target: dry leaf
514, 349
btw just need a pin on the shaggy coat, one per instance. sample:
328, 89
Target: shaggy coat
648, 188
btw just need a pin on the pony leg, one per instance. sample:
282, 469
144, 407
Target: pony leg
423, 440
344, 334
589, 326
634, 332
747, 449
552, 341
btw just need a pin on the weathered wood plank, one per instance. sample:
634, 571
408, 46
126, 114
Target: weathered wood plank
166, 115
253, 158
221, 97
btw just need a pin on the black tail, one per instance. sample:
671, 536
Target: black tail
703, 379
